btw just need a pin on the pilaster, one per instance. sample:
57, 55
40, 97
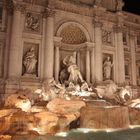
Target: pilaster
98, 51
49, 43
57, 41
15, 44
132, 37
120, 54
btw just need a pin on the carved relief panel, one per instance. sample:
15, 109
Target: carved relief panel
33, 22
30, 60
106, 37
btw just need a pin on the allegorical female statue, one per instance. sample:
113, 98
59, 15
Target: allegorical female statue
107, 67
30, 62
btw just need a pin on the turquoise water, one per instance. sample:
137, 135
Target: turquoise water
129, 134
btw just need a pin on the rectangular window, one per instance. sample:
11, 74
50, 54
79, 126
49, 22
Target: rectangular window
139, 71
138, 40
124, 38
126, 70
1, 13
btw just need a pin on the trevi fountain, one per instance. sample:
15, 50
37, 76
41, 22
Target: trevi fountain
66, 74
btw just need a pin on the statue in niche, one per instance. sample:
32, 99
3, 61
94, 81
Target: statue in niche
32, 22
30, 61
107, 67
71, 70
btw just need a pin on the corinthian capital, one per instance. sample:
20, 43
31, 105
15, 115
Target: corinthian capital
97, 23
118, 28
49, 12
19, 7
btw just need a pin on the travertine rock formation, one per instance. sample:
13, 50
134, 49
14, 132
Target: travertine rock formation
64, 106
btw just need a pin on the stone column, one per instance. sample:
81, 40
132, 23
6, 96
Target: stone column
133, 58
15, 44
98, 52
116, 58
57, 63
4, 13
49, 44
92, 66
7, 45
1, 58
57, 58
120, 54
78, 59
88, 65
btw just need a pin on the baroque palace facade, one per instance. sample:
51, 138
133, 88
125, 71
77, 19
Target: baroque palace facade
50, 30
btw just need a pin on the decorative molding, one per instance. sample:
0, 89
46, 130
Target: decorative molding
57, 41
49, 12
72, 34
13, 80
106, 37
70, 6
19, 7
118, 28
15, 6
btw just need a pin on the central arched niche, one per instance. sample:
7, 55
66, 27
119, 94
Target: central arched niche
74, 37
72, 34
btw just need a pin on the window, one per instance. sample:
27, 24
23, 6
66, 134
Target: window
0, 14
138, 40
124, 38
126, 70
139, 71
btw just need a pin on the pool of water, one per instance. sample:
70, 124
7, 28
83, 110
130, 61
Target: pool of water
88, 134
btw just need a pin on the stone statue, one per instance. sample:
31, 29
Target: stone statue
98, 2
32, 22
30, 61
119, 5
73, 70
107, 66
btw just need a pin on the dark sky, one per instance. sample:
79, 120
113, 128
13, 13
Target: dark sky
132, 6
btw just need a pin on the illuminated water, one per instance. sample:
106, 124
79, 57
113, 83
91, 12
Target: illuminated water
86, 134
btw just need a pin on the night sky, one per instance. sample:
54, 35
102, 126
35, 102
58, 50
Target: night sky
132, 6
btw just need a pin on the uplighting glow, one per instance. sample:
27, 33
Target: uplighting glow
62, 134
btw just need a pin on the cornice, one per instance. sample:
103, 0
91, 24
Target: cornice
73, 7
